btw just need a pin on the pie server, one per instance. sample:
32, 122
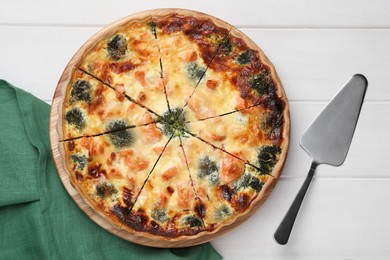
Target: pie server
327, 141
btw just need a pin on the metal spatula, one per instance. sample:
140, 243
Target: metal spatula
327, 141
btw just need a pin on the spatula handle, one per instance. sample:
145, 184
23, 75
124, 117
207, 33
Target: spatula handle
282, 234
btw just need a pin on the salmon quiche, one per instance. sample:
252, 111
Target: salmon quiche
174, 125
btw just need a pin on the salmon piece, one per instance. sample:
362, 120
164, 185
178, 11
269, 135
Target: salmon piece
212, 84
147, 118
162, 201
201, 191
140, 76
152, 134
128, 161
158, 150
240, 103
190, 56
101, 148
120, 88
111, 158
232, 168
218, 138
131, 107
200, 109
184, 193
125, 153
169, 174
115, 174
85, 142
139, 163
134, 163
89, 144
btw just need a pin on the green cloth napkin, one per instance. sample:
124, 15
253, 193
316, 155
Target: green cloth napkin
38, 219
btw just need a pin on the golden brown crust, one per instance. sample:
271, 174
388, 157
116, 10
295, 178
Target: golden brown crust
208, 234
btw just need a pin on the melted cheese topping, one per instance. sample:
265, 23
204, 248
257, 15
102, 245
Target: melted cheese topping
221, 181
183, 66
99, 107
105, 159
155, 184
240, 132
215, 95
168, 197
138, 72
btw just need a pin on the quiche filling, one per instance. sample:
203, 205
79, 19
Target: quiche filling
174, 125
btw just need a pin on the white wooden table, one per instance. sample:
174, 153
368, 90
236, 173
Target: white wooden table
316, 46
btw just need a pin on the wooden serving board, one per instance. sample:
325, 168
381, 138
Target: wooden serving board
56, 135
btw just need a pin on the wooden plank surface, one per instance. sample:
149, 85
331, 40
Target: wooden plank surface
367, 156
339, 219
316, 46
285, 13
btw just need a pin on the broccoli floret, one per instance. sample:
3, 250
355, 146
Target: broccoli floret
271, 124
244, 57
119, 135
242, 182
195, 71
256, 184
268, 156
262, 83
105, 189
174, 122
117, 125
226, 47
159, 215
81, 91
223, 212
117, 47
207, 167
248, 180
152, 26
193, 221
75, 117
80, 160
214, 178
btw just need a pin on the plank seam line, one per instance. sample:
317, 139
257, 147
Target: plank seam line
262, 27
359, 178
325, 101
321, 102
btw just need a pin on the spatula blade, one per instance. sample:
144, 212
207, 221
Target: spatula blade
328, 138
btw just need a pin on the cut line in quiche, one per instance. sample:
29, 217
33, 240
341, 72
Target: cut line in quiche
92, 108
128, 59
170, 127
176, 37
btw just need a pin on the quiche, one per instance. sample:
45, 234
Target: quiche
173, 125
